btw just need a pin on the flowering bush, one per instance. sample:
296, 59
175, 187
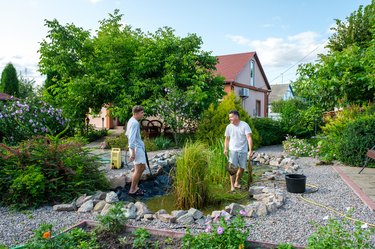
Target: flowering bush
45, 238
338, 233
300, 147
220, 233
47, 170
22, 119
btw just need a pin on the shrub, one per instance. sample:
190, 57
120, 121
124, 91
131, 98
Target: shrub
45, 238
339, 234
114, 221
297, 118
120, 141
357, 138
189, 185
299, 147
215, 119
23, 119
271, 131
163, 143
47, 170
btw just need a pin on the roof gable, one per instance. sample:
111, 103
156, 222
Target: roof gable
278, 92
229, 66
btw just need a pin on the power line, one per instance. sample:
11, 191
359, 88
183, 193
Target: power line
299, 60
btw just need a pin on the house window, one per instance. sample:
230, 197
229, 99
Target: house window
252, 73
257, 108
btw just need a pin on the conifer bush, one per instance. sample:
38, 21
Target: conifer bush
215, 120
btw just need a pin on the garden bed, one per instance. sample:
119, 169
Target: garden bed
157, 238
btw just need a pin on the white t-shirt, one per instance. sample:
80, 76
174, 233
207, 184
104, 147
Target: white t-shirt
237, 136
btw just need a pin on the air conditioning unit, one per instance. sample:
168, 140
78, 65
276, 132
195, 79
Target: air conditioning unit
244, 92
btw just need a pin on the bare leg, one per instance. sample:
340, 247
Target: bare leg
138, 170
232, 182
238, 177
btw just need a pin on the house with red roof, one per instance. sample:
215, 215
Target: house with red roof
245, 76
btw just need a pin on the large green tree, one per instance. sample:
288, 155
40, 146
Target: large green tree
345, 75
124, 66
9, 81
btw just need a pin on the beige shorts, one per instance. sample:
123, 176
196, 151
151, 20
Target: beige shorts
238, 159
140, 156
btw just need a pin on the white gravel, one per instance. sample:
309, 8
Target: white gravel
291, 223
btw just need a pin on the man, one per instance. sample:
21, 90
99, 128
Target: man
238, 138
136, 149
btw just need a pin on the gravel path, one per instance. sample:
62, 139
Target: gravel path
290, 223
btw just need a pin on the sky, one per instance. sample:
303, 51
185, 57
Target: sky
284, 33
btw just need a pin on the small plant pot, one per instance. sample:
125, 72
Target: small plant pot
295, 183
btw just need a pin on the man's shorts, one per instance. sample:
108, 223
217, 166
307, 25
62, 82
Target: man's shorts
238, 159
140, 156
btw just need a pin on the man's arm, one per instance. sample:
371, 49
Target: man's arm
226, 144
250, 143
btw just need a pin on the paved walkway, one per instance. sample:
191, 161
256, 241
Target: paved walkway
362, 184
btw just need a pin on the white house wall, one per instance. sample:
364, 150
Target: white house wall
249, 104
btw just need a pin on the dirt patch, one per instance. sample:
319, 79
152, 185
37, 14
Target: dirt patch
125, 240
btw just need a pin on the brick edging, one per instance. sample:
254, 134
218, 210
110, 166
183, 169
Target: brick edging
357, 190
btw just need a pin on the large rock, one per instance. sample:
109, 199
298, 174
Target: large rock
111, 197
178, 213
88, 206
142, 209
118, 180
130, 211
186, 219
82, 199
234, 208
167, 218
195, 213
99, 206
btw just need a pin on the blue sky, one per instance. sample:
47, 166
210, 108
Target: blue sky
282, 32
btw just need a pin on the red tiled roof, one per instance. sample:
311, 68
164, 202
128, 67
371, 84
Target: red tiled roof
4, 96
230, 65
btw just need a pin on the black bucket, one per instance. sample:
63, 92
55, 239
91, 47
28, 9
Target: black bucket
295, 183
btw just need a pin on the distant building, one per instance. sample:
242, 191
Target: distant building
244, 76
279, 92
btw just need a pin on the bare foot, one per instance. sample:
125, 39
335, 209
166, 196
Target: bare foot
237, 186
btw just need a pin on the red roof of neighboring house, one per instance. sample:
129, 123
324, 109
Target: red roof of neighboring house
229, 66
4, 96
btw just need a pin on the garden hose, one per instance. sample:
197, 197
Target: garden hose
324, 206
329, 208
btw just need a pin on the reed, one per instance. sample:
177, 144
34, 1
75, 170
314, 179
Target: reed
190, 185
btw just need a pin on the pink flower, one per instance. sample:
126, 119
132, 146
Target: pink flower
220, 230
243, 212
208, 229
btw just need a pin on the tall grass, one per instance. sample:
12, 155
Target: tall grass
216, 166
201, 178
190, 186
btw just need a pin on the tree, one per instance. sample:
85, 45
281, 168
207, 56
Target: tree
346, 74
215, 119
124, 67
9, 81
27, 87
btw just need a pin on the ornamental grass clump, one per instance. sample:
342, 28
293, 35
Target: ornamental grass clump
190, 188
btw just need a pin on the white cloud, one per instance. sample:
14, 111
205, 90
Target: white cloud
278, 54
94, 1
